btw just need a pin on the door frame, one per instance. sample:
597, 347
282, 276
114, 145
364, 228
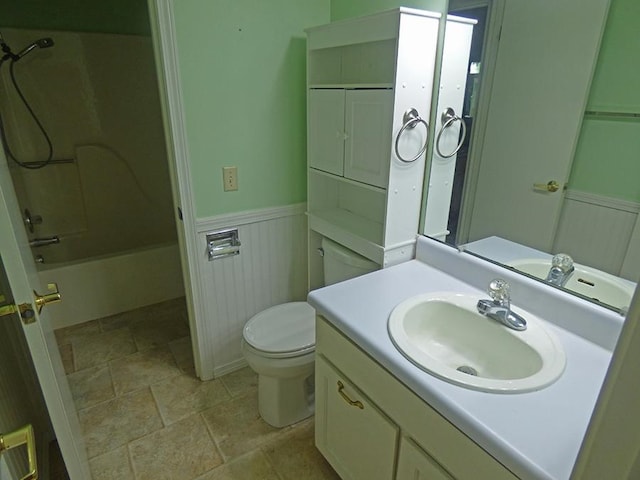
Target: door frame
163, 36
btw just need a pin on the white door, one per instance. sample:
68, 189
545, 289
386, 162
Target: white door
545, 61
23, 280
368, 123
326, 130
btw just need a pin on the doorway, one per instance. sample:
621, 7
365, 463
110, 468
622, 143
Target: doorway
100, 212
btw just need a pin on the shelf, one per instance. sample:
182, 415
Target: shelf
361, 235
352, 86
348, 181
365, 63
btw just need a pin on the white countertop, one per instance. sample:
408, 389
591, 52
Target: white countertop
536, 435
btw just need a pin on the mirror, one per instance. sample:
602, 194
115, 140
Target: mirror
553, 130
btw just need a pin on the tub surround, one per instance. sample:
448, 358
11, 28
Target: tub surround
536, 435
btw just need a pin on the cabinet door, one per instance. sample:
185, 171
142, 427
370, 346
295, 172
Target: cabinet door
356, 438
326, 130
416, 464
368, 122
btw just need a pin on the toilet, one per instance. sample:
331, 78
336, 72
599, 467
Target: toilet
279, 344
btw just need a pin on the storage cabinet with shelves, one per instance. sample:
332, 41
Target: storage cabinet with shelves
363, 74
348, 133
393, 427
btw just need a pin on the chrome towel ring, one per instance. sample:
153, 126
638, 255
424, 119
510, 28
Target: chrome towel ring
410, 120
448, 118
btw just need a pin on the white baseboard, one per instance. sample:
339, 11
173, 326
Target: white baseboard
230, 367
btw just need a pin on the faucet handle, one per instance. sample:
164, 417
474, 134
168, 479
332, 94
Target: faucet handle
500, 291
562, 261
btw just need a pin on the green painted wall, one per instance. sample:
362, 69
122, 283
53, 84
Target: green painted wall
112, 16
341, 9
243, 69
607, 160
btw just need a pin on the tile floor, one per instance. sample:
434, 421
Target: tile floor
146, 416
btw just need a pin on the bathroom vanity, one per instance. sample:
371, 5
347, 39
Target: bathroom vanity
380, 416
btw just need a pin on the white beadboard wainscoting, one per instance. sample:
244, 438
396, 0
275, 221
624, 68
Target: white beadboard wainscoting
270, 269
601, 232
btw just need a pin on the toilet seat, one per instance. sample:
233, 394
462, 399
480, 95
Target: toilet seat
282, 331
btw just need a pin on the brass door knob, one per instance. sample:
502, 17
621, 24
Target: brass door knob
550, 186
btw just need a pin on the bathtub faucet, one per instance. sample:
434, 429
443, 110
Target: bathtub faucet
41, 242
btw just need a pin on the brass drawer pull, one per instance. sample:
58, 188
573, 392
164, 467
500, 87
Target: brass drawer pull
353, 403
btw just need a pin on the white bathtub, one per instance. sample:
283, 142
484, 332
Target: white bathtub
104, 286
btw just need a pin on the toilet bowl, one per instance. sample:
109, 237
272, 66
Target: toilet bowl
279, 344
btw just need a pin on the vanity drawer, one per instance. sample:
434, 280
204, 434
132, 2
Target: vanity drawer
357, 439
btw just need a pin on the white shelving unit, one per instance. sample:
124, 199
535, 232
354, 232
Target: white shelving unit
363, 74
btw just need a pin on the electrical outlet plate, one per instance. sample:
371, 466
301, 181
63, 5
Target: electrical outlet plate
230, 178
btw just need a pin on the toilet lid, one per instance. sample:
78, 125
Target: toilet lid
284, 328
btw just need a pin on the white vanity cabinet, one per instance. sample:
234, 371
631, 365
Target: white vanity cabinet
395, 435
363, 74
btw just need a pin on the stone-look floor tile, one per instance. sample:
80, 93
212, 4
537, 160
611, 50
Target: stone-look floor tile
121, 320
141, 369
114, 465
182, 451
159, 330
174, 306
183, 353
66, 335
66, 354
182, 396
114, 423
236, 426
91, 386
241, 381
253, 465
100, 348
294, 455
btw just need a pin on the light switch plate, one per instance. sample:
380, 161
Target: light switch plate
230, 178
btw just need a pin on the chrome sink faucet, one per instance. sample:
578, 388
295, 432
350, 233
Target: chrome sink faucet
561, 269
499, 307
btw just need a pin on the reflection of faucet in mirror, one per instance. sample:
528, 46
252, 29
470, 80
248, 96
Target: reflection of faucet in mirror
499, 307
514, 142
561, 269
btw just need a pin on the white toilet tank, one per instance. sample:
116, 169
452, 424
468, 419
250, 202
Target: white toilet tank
340, 263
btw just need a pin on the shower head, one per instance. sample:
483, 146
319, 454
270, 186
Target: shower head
41, 43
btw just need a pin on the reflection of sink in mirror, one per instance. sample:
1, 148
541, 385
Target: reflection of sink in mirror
585, 281
607, 289
443, 334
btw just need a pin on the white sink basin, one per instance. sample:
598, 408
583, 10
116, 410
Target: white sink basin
443, 334
586, 281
